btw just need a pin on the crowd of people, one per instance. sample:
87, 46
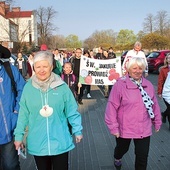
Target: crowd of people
48, 90
25, 66
61, 60
32, 107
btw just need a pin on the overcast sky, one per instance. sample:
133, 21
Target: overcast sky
84, 17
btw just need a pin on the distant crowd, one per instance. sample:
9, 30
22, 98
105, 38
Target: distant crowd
25, 66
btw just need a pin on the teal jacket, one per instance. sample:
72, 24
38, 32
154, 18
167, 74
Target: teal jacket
57, 68
48, 135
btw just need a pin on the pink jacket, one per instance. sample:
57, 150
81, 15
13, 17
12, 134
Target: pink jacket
125, 112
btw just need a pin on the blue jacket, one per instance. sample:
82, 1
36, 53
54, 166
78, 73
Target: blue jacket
48, 135
9, 103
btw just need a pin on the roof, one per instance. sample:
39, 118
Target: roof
11, 22
19, 14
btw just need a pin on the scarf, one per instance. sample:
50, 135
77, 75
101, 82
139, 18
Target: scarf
146, 98
43, 85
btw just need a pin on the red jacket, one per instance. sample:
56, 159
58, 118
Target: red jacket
161, 79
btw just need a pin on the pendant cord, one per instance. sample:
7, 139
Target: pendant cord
45, 101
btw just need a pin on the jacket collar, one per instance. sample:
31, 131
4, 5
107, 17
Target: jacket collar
56, 81
131, 85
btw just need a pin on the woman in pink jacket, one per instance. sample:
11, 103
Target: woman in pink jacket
131, 111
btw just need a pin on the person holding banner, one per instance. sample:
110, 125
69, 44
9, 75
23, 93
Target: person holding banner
108, 55
91, 54
87, 87
79, 88
111, 53
103, 55
100, 54
131, 111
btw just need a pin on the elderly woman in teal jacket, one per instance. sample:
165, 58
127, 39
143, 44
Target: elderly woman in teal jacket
46, 107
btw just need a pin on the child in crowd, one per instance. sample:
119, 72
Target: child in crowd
69, 77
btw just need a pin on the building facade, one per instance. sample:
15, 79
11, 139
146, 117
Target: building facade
17, 26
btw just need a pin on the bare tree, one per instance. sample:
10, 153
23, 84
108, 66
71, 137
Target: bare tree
105, 38
8, 1
45, 23
57, 41
162, 22
148, 24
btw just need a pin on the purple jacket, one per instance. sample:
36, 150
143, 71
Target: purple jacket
126, 113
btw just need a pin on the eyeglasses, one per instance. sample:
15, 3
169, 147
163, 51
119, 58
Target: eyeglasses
79, 52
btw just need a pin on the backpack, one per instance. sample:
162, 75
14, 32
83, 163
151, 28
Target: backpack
10, 74
4, 60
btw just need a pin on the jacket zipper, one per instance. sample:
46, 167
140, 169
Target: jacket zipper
5, 122
48, 138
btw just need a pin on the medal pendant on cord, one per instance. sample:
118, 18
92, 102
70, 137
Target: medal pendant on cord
46, 110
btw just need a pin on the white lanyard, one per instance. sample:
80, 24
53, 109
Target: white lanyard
45, 101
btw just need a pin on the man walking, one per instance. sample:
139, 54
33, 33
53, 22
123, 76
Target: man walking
9, 107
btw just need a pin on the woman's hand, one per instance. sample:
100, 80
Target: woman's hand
156, 130
160, 95
117, 135
79, 85
78, 138
18, 144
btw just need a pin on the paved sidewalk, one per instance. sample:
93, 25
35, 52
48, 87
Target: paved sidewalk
95, 152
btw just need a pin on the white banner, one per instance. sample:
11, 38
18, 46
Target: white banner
99, 72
